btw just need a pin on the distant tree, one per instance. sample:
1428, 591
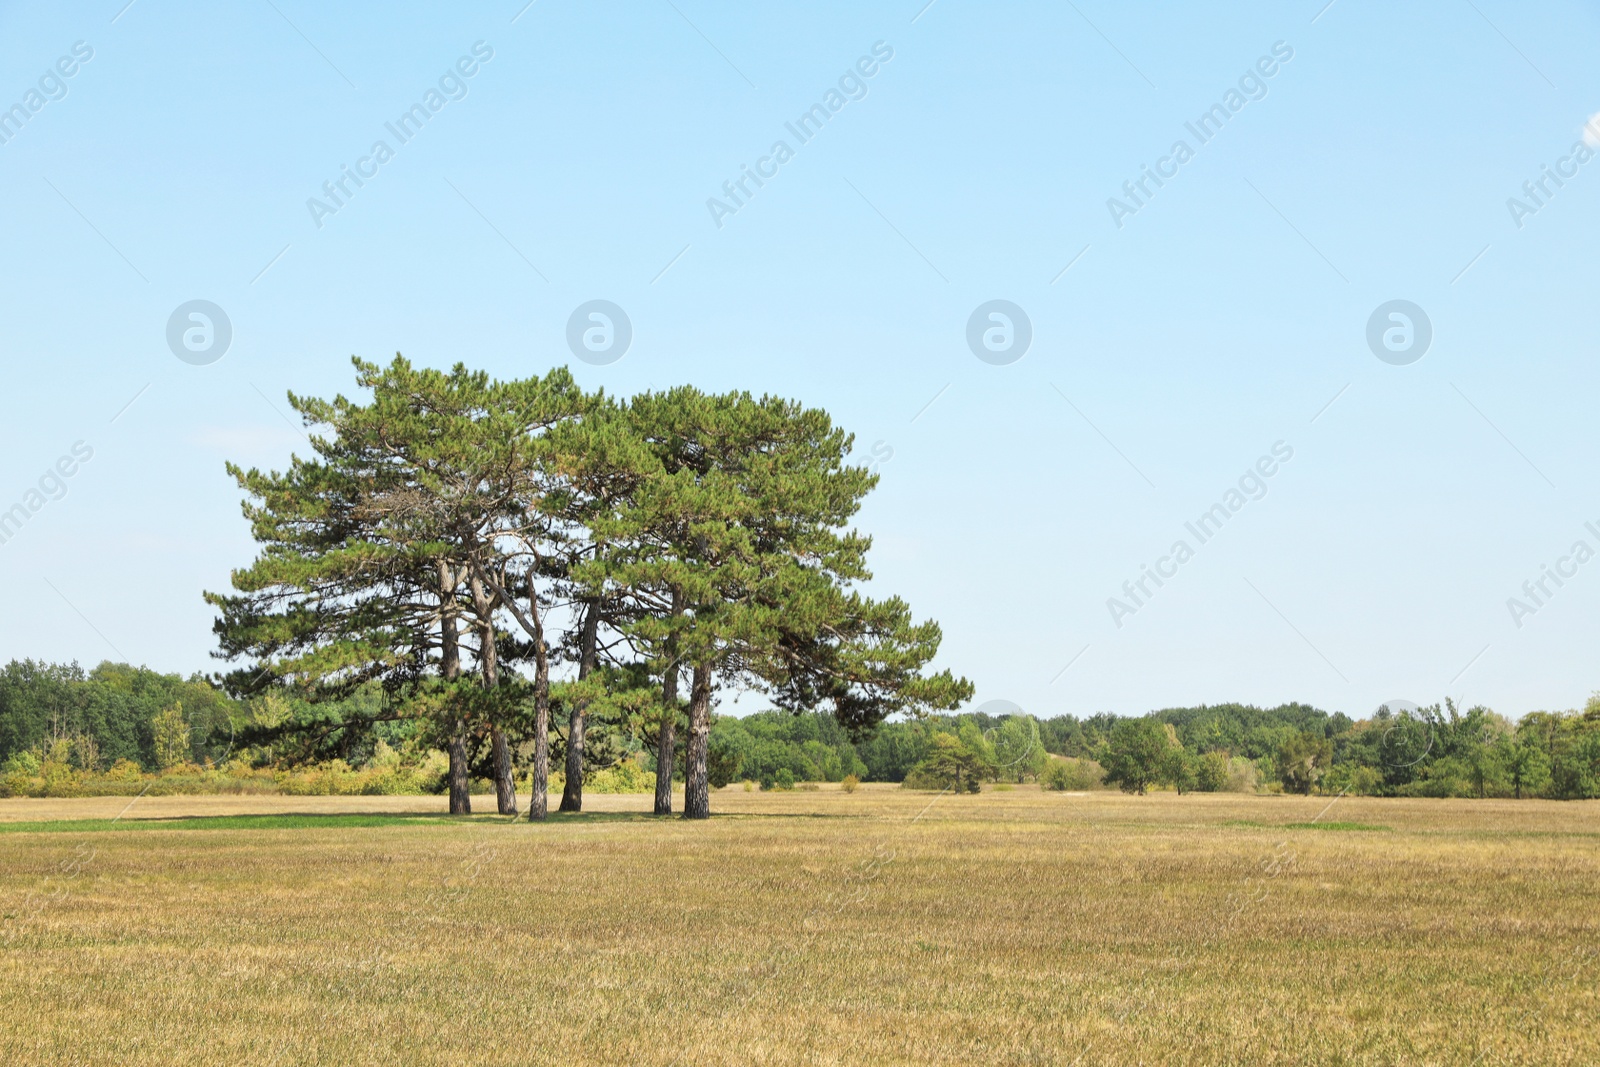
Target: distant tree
1406, 741
1064, 735
1019, 751
1484, 762
1568, 743
1303, 760
891, 749
1136, 756
170, 736
724, 762
949, 764
1180, 768
971, 736
1526, 765
106, 713
1211, 772
1575, 770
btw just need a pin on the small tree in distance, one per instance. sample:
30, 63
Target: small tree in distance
170, 734
1136, 755
1304, 759
949, 764
1525, 763
1211, 772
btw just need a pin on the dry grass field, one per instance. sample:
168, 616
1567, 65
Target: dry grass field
880, 927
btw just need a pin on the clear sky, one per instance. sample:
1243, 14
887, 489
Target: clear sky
1178, 336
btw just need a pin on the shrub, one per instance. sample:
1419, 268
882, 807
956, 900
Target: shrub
1356, 779
388, 783
1241, 776
23, 763
433, 777
334, 778
124, 770
24, 774
629, 776
1075, 775
783, 779
19, 774
849, 783
61, 780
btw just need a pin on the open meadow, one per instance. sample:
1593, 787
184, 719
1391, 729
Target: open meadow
807, 533
884, 926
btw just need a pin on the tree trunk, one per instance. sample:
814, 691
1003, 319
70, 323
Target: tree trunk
666, 754
572, 792
664, 746
539, 802
460, 792
697, 787
505, 786
450, 668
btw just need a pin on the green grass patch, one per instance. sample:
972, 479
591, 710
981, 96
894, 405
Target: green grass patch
356, 820
1330, 825
227, 822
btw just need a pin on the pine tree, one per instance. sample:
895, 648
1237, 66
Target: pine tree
743, 530
383, 557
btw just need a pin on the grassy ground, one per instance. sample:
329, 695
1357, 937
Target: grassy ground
879, 927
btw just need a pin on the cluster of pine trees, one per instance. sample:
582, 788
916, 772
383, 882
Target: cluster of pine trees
478, 548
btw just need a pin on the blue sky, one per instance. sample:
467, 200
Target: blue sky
1169, 354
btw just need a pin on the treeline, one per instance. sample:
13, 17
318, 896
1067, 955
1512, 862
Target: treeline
62, 730
974, 746
67, 732
116, 713
1436, 751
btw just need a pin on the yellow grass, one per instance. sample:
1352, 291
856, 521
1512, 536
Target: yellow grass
880, 927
